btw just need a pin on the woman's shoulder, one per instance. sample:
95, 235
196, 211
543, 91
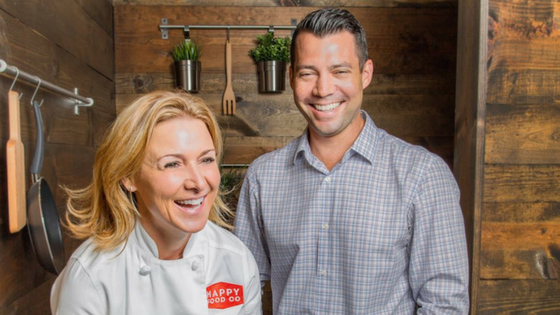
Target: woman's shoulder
90, 258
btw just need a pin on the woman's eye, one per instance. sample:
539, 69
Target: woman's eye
208, 160
171, 165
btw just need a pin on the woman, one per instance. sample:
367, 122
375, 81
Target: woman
150, 248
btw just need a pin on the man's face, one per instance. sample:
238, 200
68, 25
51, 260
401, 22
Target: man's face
328, 84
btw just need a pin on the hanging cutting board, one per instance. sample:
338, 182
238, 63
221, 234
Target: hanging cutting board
15, 158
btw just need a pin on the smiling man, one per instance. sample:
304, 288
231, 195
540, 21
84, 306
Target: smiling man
347, 219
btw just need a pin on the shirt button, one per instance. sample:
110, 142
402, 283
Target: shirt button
145, 270
325, 226
323, 272
195, 265
328, 179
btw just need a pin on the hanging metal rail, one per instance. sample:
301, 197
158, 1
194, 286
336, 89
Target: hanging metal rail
18, 74
164, 27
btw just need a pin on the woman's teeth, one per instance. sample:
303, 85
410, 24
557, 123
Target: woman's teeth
326, 107
191, 202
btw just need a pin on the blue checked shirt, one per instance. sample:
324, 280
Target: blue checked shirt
379, 233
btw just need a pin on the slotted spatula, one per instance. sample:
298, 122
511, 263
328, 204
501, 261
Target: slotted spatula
228, 100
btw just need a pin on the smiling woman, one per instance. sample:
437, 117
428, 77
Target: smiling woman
151, 217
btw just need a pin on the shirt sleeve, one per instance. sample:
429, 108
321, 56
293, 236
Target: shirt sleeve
74, 293
248, 224
439, 273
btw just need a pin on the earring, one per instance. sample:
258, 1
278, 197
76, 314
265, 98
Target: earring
130, 188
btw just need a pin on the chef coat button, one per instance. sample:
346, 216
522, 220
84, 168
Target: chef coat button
145, 270
195, 265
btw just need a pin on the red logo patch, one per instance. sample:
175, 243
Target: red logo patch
224, 295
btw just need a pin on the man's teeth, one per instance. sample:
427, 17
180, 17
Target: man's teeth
192, 202
327, 107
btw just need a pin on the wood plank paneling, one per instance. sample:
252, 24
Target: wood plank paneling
470, 99
524, 35
401, 41
64, 44
520, 237
38, 56
520, 241
539, 297
521, 183
512, 86
246, 83
411, 95
101, 11
74, 30
523, 134
287, 3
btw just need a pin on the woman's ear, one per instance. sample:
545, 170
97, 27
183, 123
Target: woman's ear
128, 184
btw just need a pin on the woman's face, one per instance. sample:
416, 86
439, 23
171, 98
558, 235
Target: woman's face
178, 180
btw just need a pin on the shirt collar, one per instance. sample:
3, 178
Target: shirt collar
145, 241
365, 144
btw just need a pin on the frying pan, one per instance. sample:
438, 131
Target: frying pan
42, 217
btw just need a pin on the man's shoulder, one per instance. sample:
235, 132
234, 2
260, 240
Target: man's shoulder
276, 158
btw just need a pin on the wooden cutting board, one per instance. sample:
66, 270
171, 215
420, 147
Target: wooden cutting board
15, 158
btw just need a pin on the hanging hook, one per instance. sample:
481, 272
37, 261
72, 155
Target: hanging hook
15, 78
228, 28
35, 93
271, 29
186, 33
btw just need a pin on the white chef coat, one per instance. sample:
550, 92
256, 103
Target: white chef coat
216, 270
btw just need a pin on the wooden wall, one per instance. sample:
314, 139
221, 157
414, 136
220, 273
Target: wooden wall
518, 266
413, 46
68, 43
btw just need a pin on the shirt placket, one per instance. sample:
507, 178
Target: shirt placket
323, 245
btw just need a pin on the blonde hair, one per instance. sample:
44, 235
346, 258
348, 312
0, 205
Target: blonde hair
105, 210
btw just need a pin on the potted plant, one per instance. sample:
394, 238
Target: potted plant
271, 55
187, 66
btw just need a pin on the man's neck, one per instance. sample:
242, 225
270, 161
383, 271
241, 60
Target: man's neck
331, 150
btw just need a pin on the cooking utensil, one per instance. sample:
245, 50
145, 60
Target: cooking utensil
44, 225
15, 160
228, 100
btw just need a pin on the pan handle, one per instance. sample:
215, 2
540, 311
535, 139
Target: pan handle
37, 163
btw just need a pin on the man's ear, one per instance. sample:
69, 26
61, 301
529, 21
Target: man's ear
367, 73
128, 184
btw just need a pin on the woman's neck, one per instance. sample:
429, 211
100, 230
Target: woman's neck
170, 246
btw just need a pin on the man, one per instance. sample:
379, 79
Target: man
347, 219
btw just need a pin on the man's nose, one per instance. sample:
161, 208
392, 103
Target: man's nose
324, 86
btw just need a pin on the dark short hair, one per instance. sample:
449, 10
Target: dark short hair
329, 21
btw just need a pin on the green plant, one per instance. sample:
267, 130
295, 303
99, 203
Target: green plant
186, 50
271, 48
230, 184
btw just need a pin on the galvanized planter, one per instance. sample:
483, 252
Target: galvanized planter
272, 76
187, 75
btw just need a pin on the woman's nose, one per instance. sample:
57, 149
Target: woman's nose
194, 179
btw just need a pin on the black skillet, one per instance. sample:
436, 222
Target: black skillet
42, 218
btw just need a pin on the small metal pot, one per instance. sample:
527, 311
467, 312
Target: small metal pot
272, 76
187, 75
